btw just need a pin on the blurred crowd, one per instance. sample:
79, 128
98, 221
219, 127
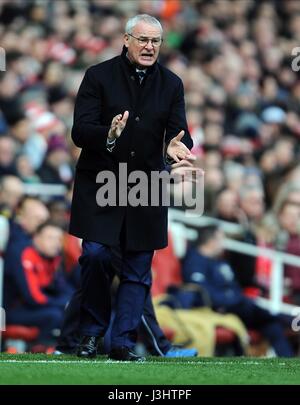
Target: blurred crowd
243, 110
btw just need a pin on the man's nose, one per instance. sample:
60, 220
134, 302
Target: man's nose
149, 45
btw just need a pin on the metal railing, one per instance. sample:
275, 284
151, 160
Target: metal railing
179, 224
45, 190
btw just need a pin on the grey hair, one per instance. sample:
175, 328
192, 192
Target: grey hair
132, 22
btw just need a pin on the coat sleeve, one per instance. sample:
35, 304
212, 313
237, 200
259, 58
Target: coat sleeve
88, 130
177, 118
31, 290
21, 270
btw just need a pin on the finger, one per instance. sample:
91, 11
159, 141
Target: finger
183, 147
125, 117
174, 156
116, 119
182, 163
179, 136
191, 157
181, 155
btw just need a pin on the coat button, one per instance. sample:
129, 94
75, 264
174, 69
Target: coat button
137, 119
132, 77
132, 153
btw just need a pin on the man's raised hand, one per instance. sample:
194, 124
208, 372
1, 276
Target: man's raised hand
177, 149
117, 125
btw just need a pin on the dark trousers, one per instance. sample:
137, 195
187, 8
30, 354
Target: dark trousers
45, 318
149, 331
93, 302
271, 326
152, 335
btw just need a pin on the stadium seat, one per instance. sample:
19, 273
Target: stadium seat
20, 332
255, 337
224, 336
17, 337
169, 333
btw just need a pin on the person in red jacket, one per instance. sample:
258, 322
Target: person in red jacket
35, 290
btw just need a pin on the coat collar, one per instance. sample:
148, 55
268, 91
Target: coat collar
132, 66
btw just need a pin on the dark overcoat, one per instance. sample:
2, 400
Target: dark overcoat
156, 115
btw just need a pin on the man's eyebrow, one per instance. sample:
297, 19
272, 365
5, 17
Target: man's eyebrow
144, 36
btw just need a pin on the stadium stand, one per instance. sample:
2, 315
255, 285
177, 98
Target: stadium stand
242, 94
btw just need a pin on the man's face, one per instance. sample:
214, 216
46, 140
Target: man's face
12, 191
32, 215
144, 55
253, 204
289, 218
49, 241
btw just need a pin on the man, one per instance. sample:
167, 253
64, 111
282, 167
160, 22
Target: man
288, 240
202, 266
252, 209
35, 291
30, 213
11, 192
7, 156
128, 110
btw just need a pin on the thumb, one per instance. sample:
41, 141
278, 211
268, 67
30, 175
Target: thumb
179, 136
125, 117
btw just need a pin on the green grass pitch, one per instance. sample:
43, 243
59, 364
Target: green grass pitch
50, 369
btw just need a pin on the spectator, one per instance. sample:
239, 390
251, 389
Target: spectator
36, 293
7, 156
56, 168
30, 214
288, 240
203, 266
11, 192
251, 203
25, 170
227, 207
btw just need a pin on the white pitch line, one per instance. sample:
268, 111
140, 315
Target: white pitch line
201, 363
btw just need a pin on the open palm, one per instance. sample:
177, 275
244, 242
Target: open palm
177, 149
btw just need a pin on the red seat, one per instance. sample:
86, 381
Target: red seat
26, 333
166, 270
169, 333
224, 336
255, 337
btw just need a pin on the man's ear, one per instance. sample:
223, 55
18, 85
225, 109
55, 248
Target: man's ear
126, 39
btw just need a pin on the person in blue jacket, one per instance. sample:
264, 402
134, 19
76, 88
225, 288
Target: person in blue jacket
204, 266
35, 291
